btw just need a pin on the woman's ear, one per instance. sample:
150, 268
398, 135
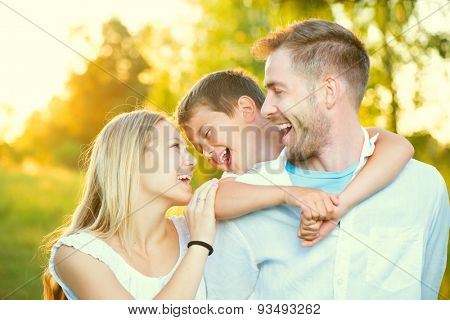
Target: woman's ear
247, 108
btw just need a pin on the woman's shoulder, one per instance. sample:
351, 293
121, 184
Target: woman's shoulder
84, 246
69, 259
182, 228
86, 275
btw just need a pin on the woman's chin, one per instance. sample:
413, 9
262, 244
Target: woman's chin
183, 198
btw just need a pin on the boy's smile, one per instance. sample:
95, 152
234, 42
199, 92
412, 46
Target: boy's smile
218, 138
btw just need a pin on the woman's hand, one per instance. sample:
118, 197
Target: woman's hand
200, 214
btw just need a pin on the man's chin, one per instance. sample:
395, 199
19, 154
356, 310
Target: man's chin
295, 154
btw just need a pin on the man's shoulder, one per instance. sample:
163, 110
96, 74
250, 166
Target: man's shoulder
422, 172
418, 187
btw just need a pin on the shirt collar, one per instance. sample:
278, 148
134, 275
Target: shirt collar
367, 150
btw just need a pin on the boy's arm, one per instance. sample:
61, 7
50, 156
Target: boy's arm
234, 199
389, 158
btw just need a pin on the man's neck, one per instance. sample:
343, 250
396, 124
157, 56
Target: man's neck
342, 150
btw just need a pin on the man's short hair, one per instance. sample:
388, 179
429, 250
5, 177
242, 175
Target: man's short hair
317, 46
220, 92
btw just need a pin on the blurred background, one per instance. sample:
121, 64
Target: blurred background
67, 67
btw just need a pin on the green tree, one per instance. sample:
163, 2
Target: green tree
109, 85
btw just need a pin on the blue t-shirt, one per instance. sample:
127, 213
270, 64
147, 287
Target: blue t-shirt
329, 181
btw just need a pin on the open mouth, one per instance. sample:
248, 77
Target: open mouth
185, 178
284, 128
225, 157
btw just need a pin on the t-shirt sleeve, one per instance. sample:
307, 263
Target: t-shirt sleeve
435, 253
226, 175
231, 271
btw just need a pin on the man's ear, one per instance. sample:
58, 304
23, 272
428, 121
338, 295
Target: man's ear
331, 91
247, 108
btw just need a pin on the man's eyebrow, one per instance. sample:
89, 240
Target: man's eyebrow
271, 84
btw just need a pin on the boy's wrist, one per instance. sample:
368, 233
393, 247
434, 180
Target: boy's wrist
285, 193
344, 206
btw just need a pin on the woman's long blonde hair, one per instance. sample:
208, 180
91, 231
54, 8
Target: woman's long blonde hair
112, 180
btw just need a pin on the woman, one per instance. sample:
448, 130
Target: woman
119, 244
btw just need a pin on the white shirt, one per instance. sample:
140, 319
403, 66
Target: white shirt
391, 246
140, 286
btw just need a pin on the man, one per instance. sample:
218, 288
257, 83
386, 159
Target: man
391, 246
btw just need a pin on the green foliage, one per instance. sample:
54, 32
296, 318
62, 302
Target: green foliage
109, 85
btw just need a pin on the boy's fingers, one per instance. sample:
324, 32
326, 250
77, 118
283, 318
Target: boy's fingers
310, 243
306, 212
315, 212
312, 226
307, 222
321, 210
307, 235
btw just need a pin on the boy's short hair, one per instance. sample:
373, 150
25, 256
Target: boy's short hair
220, 92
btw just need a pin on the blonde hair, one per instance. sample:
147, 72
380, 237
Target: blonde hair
112, 180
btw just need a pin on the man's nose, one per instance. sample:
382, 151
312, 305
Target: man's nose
268, 109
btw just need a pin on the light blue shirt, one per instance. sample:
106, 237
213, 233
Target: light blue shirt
391, 246
329, 181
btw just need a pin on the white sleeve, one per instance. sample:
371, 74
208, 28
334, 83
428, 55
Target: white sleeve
231, 271
226, 175
435, 253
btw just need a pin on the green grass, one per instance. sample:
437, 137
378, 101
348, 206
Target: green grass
31, 206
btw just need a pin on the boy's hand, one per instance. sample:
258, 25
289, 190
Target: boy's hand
320, 229
308, 229
320, 212
316, 204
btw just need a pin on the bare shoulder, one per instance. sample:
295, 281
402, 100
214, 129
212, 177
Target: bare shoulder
86, 276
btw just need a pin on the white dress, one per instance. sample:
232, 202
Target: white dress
141, 287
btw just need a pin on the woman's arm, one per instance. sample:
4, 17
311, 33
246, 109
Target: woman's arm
200, 219
90, 278
391, 154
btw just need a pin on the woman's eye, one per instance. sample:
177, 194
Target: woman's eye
175, 145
